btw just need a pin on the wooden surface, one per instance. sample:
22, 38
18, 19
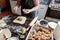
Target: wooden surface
3, 3
4, 13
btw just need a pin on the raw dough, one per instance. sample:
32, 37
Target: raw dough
21, 20
2, 37
2, 23
6, 33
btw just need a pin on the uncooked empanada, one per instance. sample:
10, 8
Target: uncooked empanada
2, 23
2, 36
6, 32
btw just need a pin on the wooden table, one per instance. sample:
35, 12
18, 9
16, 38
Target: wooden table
4, 13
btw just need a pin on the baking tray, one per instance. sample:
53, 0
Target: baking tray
41, 26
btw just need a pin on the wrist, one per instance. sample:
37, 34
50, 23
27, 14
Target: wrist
16, 6
31, 10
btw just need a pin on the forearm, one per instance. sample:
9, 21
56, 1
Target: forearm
31, 10
18, 3
36, 3
34, 8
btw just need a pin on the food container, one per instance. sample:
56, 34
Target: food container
35, 25
57, 32
42, 22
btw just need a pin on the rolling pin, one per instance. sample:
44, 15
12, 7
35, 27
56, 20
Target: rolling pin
33, 21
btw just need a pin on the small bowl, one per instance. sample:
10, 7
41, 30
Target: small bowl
13, 38
52, 25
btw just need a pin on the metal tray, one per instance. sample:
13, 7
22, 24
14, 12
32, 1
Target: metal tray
42, 26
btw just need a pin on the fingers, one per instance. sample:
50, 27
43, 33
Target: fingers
26, 11
15, 9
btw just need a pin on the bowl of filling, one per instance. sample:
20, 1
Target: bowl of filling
43, 22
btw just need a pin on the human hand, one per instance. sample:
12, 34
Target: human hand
15, 9
26, 11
